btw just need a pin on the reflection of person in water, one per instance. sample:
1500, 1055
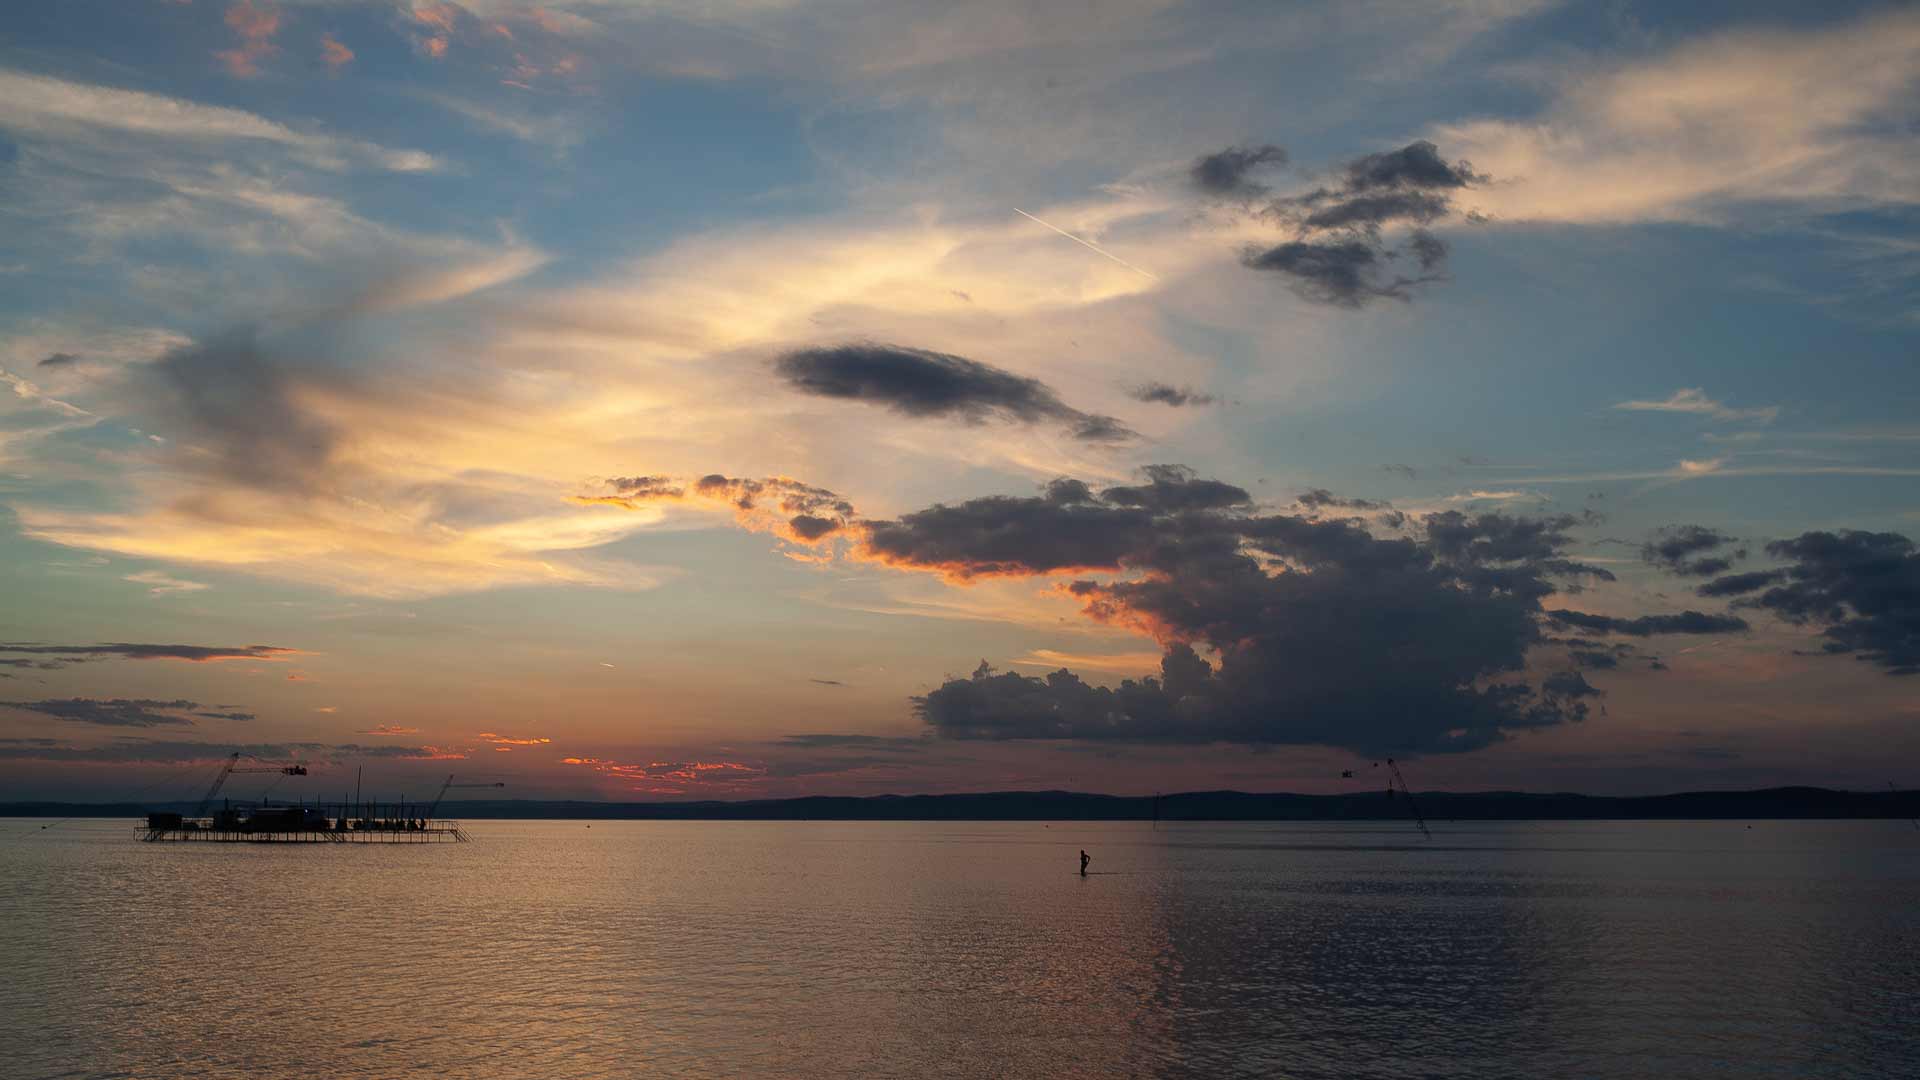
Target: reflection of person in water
1084, 860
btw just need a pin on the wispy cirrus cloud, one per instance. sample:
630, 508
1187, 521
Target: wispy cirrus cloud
161, 583
1693, 401
1794, 114
41, 105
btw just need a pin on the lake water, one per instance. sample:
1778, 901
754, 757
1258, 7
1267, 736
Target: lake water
728, 949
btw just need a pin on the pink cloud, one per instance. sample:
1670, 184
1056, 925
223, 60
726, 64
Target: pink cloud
334, 54
256, 27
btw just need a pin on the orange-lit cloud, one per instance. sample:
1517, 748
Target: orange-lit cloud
255, 26
334, 54
389, 729
505, 741
436, 14
674, 777
440, 19
779, 505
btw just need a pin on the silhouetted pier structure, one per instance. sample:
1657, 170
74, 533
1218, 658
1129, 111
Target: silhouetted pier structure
298, 825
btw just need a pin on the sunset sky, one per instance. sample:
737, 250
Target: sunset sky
637, 400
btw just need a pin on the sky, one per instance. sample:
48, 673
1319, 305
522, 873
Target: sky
738, 399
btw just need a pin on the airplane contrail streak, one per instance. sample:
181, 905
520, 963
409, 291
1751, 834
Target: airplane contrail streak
1089, 245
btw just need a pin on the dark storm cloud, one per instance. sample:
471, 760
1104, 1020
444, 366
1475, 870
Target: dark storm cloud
1692, 551
1338, 255
1325, 634
1417, 165
133, 750
1739, 584
59, 359
1321, 498
112, 712
1171, 488
77, 654
1345, 273
1159, 393
1228, 173
234, 403
1427, 249
1365, 210
1863, 587
921, 383
1686, 622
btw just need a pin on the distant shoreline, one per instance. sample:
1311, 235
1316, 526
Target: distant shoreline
1786, 803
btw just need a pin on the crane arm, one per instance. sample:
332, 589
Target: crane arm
435, 804
231, 766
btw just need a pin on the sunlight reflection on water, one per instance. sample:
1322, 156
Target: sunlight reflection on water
1616, 949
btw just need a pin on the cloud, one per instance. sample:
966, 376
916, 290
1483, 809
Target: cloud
827, 682
1415, 167
389, 729
675, 777
119, 712
41, 105
255, 26
237, 404
1324, 633
163, 584
1686, 622
1338, 254
194, 654
1753, 115
1739, 584
1228, 173
1695, 401
510, 740
333, 54
777, 504
1321, 499
284, 458
1167, 394
1862, 588
1684, 550
1700, 466
921, 383
59, 359
135, 750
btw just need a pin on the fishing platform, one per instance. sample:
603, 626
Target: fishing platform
345, 822
297, 825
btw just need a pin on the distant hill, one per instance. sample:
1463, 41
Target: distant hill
1771, 803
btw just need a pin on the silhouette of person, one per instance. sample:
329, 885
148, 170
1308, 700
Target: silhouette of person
1084, 860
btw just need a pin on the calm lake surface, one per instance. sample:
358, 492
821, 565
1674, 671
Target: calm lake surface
555, 949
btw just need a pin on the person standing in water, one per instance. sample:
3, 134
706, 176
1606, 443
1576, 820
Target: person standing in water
1084, 860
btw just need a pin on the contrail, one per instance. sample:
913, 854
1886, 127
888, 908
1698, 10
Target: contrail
1090, 245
